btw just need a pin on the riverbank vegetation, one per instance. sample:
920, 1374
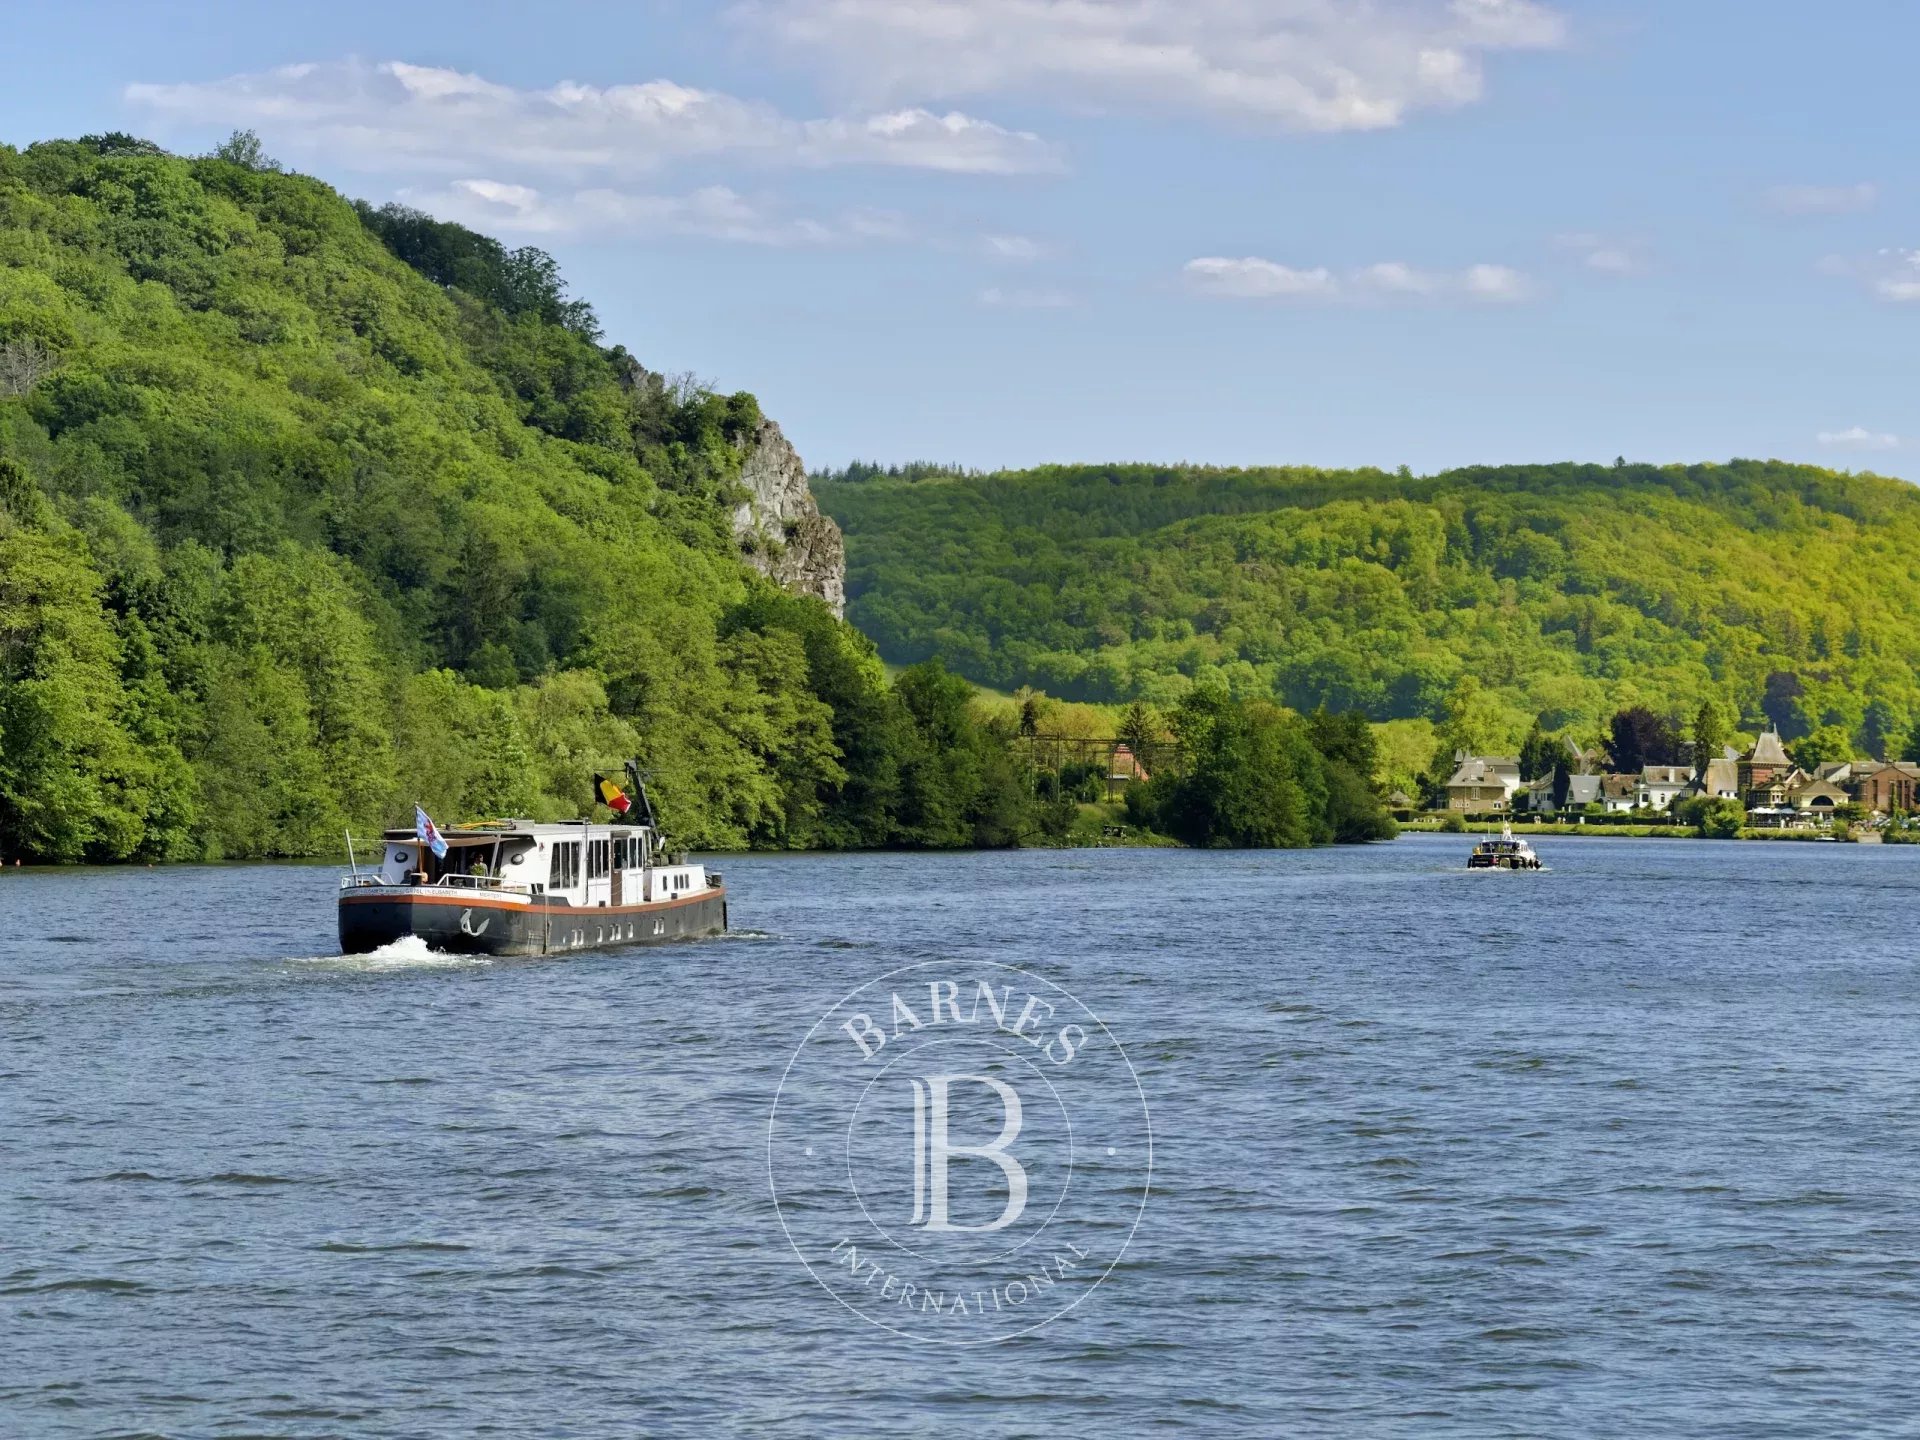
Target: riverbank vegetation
312, 511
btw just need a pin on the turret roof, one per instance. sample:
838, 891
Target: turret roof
1767, 750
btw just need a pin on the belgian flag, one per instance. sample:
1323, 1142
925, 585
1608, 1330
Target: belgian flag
611, 795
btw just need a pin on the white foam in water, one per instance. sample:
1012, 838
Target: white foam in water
409, 952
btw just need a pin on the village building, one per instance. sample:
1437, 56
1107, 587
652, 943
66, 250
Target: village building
1720, 782
1619, 793
1764, 763
1481, 783
1583, 790
1818, 798
1842, 772
1661, 785
1887, 788
1538, 798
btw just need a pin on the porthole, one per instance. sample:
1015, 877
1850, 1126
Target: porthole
400, 857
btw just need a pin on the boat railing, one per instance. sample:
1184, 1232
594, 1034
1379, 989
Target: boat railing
483, 882
448, 882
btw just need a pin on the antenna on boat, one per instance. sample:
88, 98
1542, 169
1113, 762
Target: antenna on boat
352, 864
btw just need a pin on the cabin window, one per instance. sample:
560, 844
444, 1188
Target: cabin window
596, 859
566, 865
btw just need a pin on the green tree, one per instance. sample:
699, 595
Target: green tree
1250, 777
1139, 727
1710, 731
1637, 738
243, 148
1538, 754
66, 760
1827, 743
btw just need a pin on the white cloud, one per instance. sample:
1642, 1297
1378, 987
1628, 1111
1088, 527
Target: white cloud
1858, 437
1823, 199
1892, 275
1253, 278
1602, 253
995, 297
714, 212
1015, 249
1257, 279
397, 116
1323, 65
1393, 278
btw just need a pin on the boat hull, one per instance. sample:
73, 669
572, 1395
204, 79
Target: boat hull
482, 925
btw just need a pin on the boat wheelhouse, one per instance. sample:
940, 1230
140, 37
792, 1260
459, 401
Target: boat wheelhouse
1506, 853
513, 887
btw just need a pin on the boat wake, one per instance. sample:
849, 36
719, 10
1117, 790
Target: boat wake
409, 952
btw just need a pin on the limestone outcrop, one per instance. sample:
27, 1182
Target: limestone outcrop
781, 531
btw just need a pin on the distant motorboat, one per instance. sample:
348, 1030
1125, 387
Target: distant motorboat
1506, 853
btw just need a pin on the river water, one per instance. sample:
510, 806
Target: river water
1628, 1147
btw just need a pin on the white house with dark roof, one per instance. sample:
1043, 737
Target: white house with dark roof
1619, 793
1661, 785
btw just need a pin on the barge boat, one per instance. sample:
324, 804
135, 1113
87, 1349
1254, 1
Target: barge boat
513, 887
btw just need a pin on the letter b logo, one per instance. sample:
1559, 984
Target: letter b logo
933, 1148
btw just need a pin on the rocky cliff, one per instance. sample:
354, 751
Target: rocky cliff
781, 531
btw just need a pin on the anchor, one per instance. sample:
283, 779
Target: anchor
467, 927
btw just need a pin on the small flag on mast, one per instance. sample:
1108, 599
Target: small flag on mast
429, 833
611, 795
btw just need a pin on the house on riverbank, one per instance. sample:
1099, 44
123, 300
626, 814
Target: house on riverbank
1888, 787
1482, 783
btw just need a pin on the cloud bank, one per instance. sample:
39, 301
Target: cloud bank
396, 116
1254, 278
1309, 65
1858, 437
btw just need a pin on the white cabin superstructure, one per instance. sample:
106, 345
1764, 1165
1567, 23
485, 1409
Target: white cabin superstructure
584, 864
521, 887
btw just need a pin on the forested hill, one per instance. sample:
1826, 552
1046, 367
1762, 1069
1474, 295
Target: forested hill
309, 511
1557, 591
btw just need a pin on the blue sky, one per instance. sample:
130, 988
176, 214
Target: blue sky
1002, 232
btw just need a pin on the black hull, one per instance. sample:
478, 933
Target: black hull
368, 922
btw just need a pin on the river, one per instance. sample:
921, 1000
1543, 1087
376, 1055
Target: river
1625, 1147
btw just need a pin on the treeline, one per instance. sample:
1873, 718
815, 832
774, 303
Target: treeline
859, 470
309, 513
1563, 592
1249, 773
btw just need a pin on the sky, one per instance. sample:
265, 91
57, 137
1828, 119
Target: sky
1009, 232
